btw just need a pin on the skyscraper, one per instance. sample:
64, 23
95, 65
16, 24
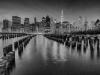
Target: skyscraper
43, 19
80, 22
47, 25
47, 19
26, 22
62, 20
92, 24
16, 22
6, 25
86, 23
62, 17
35, 20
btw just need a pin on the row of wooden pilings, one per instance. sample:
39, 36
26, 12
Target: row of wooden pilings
23, 42
76, 40
58, 38
9, 36
7, 60
9, 54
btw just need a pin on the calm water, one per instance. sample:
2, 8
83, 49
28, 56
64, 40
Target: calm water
46, 57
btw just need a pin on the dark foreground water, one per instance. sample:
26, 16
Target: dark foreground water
46, 57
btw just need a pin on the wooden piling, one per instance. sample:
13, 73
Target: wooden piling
7, 49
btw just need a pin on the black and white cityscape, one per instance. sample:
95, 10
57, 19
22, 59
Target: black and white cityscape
49, 37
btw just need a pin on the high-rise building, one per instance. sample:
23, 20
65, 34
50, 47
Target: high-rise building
22, 28
26, 22
86, 24
34, 27
62, 17
47, 26
66, 27
80, 22
47, 19
6, 25
92, 24
73, 25
35, 20
52, 25
16, 22
62, 20
97, 24
43, 19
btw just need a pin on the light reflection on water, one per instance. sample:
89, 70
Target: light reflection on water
1, 49
47, 57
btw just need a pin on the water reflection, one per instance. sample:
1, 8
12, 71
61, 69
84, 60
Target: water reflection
62, 53
50, 57
88, 48
43, 57
20, 54
51, 50
55, 50
98, 54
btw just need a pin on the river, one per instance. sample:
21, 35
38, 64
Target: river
46, 57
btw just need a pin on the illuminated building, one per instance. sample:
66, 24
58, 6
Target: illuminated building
62, 17
6, 26
16, 22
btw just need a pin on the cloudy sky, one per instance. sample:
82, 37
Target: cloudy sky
39, 8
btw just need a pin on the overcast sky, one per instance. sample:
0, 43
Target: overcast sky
39, 8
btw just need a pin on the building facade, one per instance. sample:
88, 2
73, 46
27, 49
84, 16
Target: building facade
26, 24
47, 25
6, 26
16, 22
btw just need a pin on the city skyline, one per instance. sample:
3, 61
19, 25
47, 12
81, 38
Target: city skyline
49, 37
40, 8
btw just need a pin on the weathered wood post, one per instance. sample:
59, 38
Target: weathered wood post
3, 64
7, 49
98, 44
79, 43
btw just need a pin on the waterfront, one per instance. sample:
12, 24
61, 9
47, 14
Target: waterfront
43, 56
